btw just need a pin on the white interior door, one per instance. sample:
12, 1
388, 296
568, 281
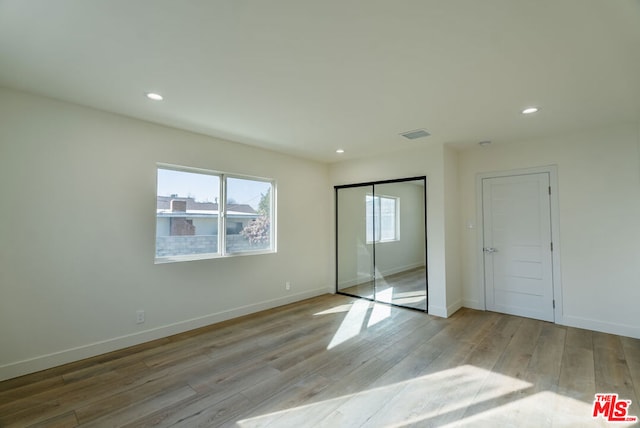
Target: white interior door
517, 245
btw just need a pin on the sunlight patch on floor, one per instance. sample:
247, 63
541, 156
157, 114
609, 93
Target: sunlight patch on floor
351, 324
413, 401
358, 312
379, 313
335, 310
539, 410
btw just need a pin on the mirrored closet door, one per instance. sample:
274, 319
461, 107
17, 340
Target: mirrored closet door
381, 241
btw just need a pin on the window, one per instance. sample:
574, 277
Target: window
194, 206
248, 215
382, 218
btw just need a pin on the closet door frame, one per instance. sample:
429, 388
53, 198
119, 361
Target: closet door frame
373, 184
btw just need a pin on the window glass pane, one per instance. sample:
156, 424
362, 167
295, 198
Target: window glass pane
369, 217
187, 213
387, 219
248, 215
381, 219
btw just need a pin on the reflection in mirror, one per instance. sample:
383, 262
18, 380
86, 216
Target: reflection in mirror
381, 243
400, 267
355, 254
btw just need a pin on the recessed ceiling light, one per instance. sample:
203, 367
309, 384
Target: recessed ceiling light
153, 96
340, 151
530, 110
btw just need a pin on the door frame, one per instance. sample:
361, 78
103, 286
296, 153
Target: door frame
552, 170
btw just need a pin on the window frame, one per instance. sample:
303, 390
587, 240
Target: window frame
222, 216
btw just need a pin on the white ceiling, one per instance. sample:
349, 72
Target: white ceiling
308, 77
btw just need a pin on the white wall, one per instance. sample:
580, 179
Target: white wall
426, 160
452, 227
77, 228
599, 205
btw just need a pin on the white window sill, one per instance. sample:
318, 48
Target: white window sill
208, 256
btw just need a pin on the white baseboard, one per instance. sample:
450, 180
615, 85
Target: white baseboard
54, 359
580, 322
351, 283
438, 311
454, 307
473, 304
601, 326
441, 311
400, 269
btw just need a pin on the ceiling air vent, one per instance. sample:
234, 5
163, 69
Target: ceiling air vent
418, 133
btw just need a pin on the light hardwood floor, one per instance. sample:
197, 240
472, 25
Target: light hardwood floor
335, 361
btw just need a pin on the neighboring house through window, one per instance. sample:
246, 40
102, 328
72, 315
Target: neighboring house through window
193, 205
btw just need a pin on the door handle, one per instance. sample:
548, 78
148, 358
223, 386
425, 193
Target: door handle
489, 250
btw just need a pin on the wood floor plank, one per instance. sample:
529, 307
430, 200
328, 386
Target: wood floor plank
195, 411
114, 357
32, 414
492, 346
265, 389
337, 361
579, 338
632, 357
287, 400
65, 420
577, 372
51, 402
546, 359
612, 373
505, 384
517, 355
27, 390
15, 385
123, 415
328, 400
214, 415
394, 383
543, 372
480, 384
